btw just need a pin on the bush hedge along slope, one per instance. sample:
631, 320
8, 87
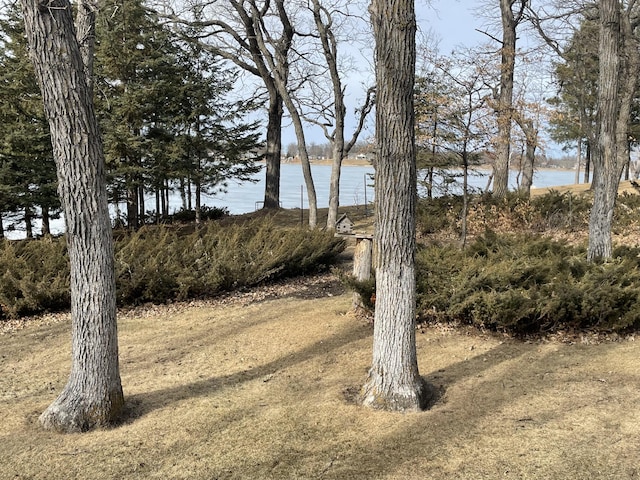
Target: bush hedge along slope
156, 264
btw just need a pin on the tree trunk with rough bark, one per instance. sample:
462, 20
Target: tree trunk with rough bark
587, 162
394, 382
531, 139
605, 155
274, 146
619, 66
362, 263
93, 394
505, 96
528, 169
28, 222
304, 158
46, 223
576, 180
334, 183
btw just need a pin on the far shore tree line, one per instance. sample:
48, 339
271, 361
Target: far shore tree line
155, 82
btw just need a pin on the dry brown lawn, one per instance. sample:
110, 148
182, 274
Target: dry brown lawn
261, 387
581, 188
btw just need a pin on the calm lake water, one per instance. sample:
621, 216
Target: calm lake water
356, 187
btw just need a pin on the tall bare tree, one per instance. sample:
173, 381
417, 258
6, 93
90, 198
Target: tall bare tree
512, 14
617, 82
264, 39
230, 29
334, 115
394, 382
93, 394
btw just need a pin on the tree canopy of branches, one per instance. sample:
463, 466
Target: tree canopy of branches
454, 123
459, 121
245, 34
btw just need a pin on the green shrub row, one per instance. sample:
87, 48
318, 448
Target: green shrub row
34, 278
156, 264
522, 284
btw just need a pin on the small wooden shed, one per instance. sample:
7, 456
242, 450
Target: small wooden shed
344, 225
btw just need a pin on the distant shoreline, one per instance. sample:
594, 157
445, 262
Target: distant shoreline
358, 162
347, 162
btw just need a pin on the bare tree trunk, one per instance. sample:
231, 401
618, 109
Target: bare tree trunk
28, 222
274, 147
604, 184
587, 162
189, 196
93, 394
394, 382
142, 214
46, 224
528, 169
465, 199
183, 193
334, 184
164, 189
528, 127
198, 202
362, 259
157, 195
86, 36
578, 161
505, 96
619, 66
165, 207
132, 207
306, 167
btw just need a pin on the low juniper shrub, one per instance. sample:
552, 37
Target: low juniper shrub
524, 284
161, 263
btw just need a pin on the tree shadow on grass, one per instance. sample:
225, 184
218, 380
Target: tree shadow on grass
426, 435
523, 393
141, 404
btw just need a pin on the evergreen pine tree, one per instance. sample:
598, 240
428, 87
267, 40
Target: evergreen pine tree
27, 171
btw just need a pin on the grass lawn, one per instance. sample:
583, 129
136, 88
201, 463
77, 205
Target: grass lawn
261, 387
